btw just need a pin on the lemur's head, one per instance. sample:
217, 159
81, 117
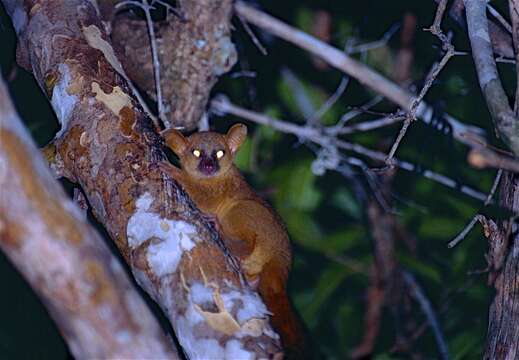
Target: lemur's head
206, 154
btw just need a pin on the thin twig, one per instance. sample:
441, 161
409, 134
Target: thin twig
353, 49
433, 74
302, 100
253, 36
371, 124
499, 18
429, 313
365, 75
459, 238
339, 127
146, 7
224, 106
331, 100
513, 6
156, 65
120, 70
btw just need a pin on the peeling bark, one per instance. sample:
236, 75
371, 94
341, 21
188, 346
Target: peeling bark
109, 147
194, 50
82, 284
503, 332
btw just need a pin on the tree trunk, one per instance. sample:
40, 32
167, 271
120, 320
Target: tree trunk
503, 329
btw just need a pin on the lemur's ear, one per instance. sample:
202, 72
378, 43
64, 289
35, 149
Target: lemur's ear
175, 141
236, 136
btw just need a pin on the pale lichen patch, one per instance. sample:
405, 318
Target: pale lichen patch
197, 348
221, 320
169, 238
94, 39
115, 101
234, 350
238, 312
62, 102
223, 305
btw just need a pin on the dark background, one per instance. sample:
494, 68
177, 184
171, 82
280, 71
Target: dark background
324, 216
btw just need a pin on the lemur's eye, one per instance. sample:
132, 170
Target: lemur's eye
196, 153
219, 154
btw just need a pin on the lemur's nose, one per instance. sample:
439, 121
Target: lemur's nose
208, 165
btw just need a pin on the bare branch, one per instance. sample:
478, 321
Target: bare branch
109, 146
146, 7
504, 118
464, 133
85, 289
253, 36
431, 77
459, 238
484, 158
371, 124
302, 100
194, 48
501, 40
427, 309
499, 18
514, 16
353, 49
340, 127
222, 105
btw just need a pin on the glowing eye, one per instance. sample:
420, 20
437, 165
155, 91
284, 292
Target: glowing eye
219, 154
196, 153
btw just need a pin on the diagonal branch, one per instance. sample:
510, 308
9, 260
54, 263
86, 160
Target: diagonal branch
514, 17
466, 134
429, 313
500, 38
504, 118
431, 77
108, 146
85, 289
224, 106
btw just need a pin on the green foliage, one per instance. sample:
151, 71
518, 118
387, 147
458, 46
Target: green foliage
296, 188
320, 294
343, 199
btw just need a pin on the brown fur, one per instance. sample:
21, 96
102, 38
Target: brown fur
250, 228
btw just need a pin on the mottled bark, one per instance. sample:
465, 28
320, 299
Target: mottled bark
85, 289
194, 50
108, 146
503, 332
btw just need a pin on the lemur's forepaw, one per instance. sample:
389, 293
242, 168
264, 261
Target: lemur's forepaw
252, 269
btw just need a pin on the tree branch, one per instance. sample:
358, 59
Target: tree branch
514, 17
430, 314
194, 49
466, 134
503, 257
326, 139
107, 145
504, 118
66, 262
501, 40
